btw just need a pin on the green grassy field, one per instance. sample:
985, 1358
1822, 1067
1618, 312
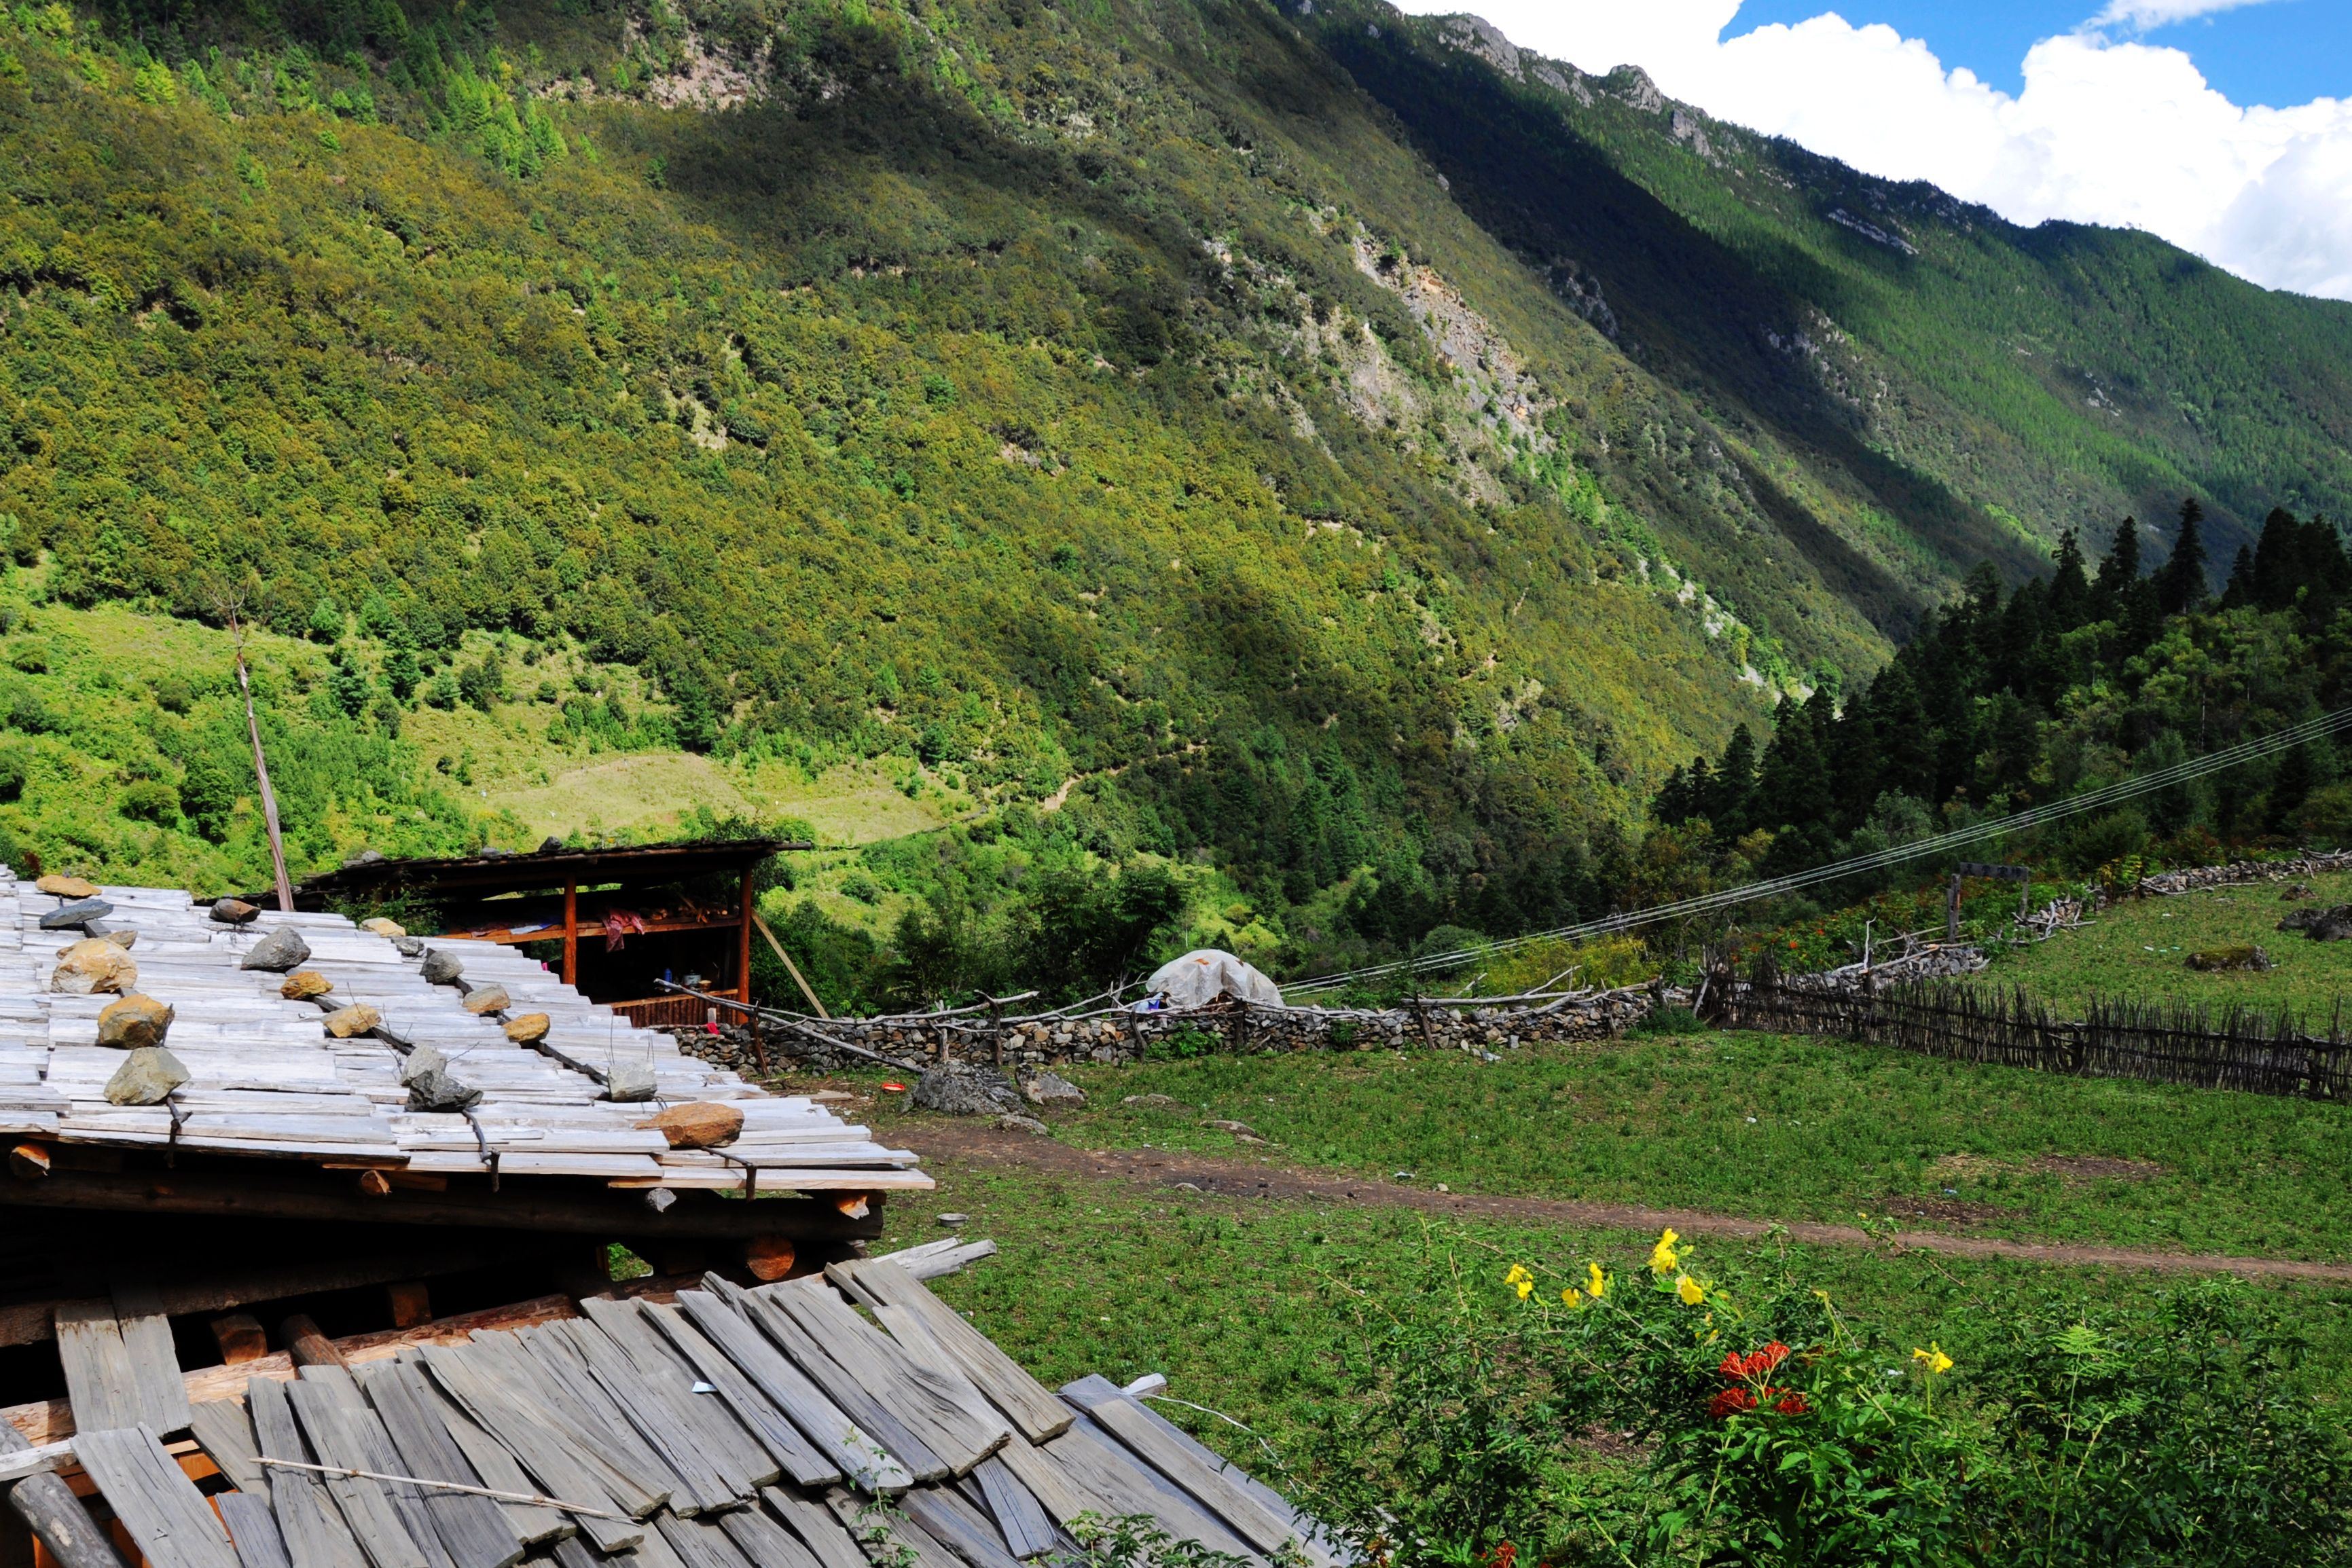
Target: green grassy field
1772, 1128
2140, 949
1246, 1305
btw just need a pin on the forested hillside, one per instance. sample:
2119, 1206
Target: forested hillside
1290, 445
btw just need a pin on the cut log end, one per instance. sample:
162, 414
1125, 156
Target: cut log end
28, 1162
770, 1258
306, 1346
240, 1337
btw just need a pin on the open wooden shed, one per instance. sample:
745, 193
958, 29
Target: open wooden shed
626, 916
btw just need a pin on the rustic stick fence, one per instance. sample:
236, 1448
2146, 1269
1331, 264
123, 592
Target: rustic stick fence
2259, 1050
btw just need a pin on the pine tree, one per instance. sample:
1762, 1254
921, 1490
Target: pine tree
2180, 582
2240, 590
2070, 590
2277, 560
1735, 782
1672, 805
2118, 571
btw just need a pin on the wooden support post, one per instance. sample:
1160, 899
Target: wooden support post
240, 1338
1135, 1032
791, 969
58, 1518
411, 1303
743, 943
1421, 1008
1952, 910
571, 934
996, 1027
306, 1346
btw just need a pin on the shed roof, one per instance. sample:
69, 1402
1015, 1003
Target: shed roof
545, 868
271, 1085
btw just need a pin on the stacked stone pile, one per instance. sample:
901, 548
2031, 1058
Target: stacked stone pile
1025, 1046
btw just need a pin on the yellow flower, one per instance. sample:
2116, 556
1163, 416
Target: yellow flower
1573, 1296
1663, 1256
1527, 1288
1937, 1361
1518, 1275
1599, 1287
1690, 1290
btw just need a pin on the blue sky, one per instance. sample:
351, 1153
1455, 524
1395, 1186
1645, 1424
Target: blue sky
2279, 53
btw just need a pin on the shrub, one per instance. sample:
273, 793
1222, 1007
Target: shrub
150, 801
1769, 1427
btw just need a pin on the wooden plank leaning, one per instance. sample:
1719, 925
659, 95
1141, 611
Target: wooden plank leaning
313, 1528
758, 1536
705, 1485
554, 1468
594, 1422
474, 1531
1028, 1529
1047, 1479
1118, 1414
826, 1538
225, 1432
168, 1520
367, 1507
1030, 1406
253, 1529
532, 1524
99, 1382
873, 1424
946, 1518
619, 1462
46, 1504
1111, 1473
886, 1537
721, 1435
154, 1363
922, 1402
758, 1402
698, 1542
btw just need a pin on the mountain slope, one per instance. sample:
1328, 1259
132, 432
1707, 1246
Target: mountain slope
1260, 441
1980, 386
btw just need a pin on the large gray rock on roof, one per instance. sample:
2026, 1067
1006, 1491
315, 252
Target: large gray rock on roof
280, 951
147, 1077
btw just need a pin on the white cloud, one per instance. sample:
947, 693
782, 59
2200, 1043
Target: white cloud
2122, 133
2145, 13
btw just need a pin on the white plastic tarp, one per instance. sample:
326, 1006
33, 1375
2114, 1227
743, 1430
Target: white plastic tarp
1200, 978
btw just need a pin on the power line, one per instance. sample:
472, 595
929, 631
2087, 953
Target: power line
2195, 768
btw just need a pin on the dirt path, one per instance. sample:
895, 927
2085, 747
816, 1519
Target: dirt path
980, 1144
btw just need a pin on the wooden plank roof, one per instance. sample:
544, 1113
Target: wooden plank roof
269, 1082
652, 1433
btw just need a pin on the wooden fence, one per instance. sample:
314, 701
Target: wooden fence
2258, 1051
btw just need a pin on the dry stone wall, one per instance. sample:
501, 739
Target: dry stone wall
914, 1044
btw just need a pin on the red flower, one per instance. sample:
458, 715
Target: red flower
1755, 1364
1502, 1556
1730, 1402
1793, 1404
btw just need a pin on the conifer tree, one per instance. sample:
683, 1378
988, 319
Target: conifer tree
1735, 781
2069, 589
2240, 592
2180, 582
2117, 573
